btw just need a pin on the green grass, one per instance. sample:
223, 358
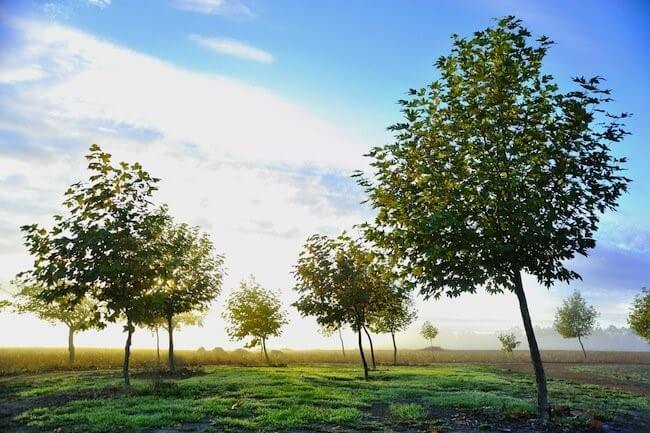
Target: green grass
639, 374
239, 399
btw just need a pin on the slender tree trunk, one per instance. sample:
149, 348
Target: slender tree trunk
363, 357
583, 347
158, 346
342, 345
266, 355
127, 353
372, 349
170, 354
392, 334
71, 351
433, 351
543, 408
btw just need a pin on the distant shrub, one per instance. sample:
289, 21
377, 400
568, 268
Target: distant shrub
201, 349
218, 350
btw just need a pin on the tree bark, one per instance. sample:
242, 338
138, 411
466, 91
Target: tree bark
170, 354
266, 355
392, 334
71, 351
157, 346
372, 349
342, 345
127, 353
544, 412
583, 347
363, 357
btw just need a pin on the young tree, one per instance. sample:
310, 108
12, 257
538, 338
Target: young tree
395, 315
639, 318
575, 319
429, 332
508, 341
106, 248
191, 318
77, 316
329, 330
495, 172
339, 281
253, 311
189, 279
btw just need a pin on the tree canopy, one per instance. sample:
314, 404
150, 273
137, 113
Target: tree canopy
508, 341
575, 318
254, 312
639, 318
494, 171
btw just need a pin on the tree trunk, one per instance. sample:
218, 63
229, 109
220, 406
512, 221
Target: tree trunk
266, 355
170, 354
363, 357
127, 353
157, 346
543, 408
71, 351
372, 349
433, 351
342, 345
583, 347
392, 334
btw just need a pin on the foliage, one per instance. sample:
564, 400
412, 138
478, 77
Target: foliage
253, 311
493, 169
395, 314
77, 315
639, 318
575, 319
428, 331
508, 341
106, 248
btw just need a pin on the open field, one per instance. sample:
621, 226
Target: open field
443, 397
22, 360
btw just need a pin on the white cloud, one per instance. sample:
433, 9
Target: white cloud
23, 73
215, 7
232, 47
99, 3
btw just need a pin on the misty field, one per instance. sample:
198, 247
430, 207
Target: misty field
463, 391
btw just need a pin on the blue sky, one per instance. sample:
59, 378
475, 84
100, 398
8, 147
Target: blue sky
255, 112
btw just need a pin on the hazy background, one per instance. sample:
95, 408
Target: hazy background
255, 113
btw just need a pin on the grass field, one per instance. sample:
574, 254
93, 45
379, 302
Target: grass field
22, 360
443, 397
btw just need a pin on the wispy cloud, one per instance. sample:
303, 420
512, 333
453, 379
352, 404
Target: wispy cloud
215, 7
99, 3
232, 47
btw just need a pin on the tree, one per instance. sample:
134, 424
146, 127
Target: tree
639, 318
329, 330
190, 318
253, 311
494, 172
77, 316
508, 341
429, 332
395, 315
106, 248
190, 276
339, 281
575, 319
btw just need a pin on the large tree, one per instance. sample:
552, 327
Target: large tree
256, 313
339, 282
575, 319
189, 279
495, 172
395, 314
639, 318
77, 316
106, 247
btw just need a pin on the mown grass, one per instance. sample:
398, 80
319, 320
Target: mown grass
625, 373
235, 399
19, 360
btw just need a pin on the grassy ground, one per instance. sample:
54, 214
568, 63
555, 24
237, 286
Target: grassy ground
438, 398
20, 360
